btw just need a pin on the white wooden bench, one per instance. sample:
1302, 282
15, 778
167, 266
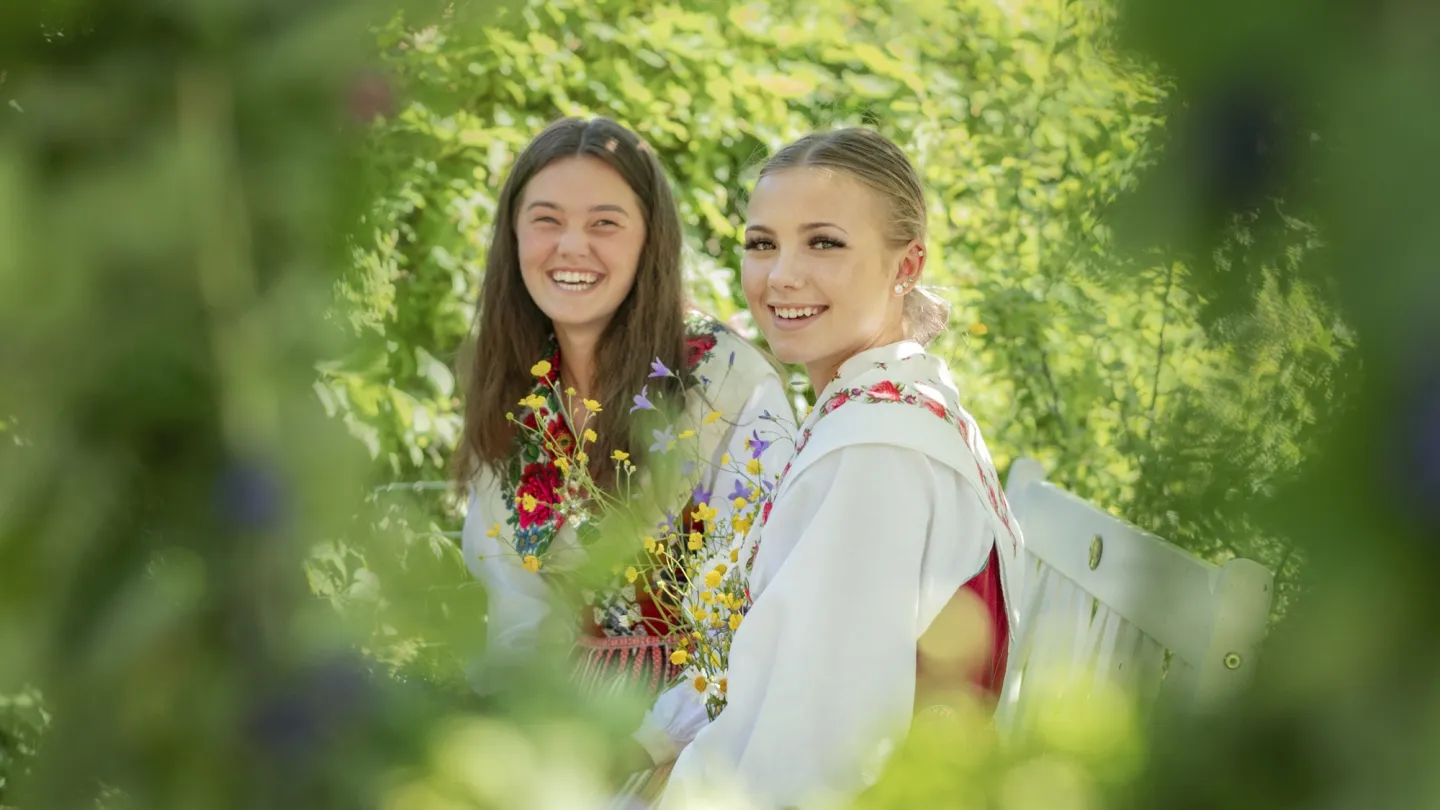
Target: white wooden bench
1109, 607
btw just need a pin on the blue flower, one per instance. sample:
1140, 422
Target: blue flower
664, 440
700, 495
758, 445
742, 489
642, 402
658, 369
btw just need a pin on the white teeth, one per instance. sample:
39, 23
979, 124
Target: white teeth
573, 277
797, 312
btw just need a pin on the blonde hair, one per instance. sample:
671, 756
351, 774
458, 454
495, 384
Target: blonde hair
879, 164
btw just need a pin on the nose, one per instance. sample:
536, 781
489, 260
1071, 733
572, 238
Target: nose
786, 272
573, 242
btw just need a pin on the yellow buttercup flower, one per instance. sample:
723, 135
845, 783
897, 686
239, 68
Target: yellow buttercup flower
708, 596
631, 574
753, 466
712, 579
619, 455
679, 657
724, 459
528, 502
700, 683
531, 563
650, 544
722, 568
734, 621
685, 434
494, 531
741, 525
533, 402
755, 494
704, 512
978, 329
711, 417
734, 555
570, 392
695, 541
582, 458
741, 503
590, 435
564, 465
541, 368
592, 406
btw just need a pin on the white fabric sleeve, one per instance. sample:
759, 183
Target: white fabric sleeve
518, 601
672, 723
863, 549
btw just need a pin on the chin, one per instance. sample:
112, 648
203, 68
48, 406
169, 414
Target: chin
573, 317
793, 352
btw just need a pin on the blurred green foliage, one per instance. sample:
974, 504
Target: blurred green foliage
179, 188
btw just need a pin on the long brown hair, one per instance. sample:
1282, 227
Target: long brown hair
511, 331
878, 163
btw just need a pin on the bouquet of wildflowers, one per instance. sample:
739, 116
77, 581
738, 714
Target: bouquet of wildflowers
716, 595
552, 485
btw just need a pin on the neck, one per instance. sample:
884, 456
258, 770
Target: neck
577, 358
822, 372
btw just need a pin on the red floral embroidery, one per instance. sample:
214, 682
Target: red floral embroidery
562, 441
887, 391
765, 513
542, 482
884, 391
697, 347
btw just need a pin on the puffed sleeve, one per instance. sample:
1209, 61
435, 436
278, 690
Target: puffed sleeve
518, 600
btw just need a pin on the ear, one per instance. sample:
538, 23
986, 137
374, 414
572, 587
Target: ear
909, 268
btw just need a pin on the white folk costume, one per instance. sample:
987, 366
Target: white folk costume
622, 636
890, 506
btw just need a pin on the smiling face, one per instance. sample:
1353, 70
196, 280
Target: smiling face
819, 272
580, 230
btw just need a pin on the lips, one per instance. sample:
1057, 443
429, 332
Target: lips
794, 313
575, 280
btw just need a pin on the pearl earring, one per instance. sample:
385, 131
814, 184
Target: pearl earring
899, 288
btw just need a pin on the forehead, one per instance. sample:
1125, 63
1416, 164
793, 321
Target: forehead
811, 194
581, 182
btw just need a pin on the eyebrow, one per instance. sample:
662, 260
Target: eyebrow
593, 209
809, 226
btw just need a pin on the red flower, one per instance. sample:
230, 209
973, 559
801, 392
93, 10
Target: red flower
696, 348
561, 438
542, 482
765, 513
836, 401
935, 407
885, 391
